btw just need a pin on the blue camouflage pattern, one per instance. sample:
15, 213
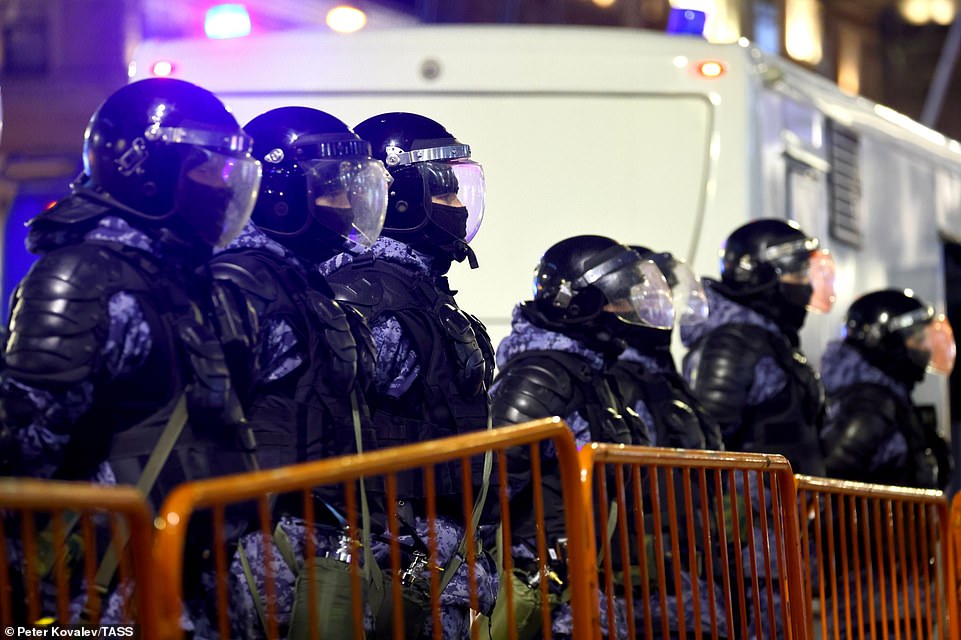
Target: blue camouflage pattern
654, 609
279, 354
526, 336
769, 378
41, 443
397, 369
842, 366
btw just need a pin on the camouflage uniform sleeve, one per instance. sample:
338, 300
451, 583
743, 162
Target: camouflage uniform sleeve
397, 365
278, 350
38, 419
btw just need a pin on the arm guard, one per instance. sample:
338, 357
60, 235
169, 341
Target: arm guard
532, 389
723, 374
60, 317
863, 420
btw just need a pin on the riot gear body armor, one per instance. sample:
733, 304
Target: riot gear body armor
452, 347
308, 416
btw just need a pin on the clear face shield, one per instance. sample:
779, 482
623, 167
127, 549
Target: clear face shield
453, 185
930, 335
218, 183
348, 196
803, 262
637, 290
690, 300
821, 272
940, 341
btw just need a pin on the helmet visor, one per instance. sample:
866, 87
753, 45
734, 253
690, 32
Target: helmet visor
939, 340
348, 196
690, 301
216, 193
458, 183
821, 271
639, 294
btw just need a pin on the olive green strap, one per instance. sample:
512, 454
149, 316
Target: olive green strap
252, 586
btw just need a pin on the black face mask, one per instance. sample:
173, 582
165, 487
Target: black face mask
646, 340
792, 311
918, 368
317, 242
798, 295
444, 234
451, 219
203, 208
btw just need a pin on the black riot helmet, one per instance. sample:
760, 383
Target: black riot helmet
321, 191
771, 265
168, 153
757, 253
595, 289
899, 334
436, 201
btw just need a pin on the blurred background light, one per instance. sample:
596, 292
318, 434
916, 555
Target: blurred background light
227, 21
346, 19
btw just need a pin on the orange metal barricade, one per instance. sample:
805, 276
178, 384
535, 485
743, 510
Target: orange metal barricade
688, 522
955, 539
878, 561
261, 491
48, 573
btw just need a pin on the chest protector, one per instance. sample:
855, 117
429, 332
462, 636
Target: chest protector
307, 414
920, 465
677, 422
591, 394
790, 422
129, 413
456, 359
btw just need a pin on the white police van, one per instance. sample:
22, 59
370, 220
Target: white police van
664, 141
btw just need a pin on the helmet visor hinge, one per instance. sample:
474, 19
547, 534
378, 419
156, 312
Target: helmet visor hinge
564, 295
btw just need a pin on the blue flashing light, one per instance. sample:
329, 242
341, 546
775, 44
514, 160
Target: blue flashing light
227, 21
686, 22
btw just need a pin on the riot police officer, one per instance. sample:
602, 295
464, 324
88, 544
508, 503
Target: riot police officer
321, 194
647, 377
591, 293
744, 363
434, 361
873, 431
113, 362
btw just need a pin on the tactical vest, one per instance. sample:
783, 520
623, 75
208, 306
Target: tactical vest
63, 315
790, 422
679, 423
450, 396
307, 414
593, 397
676, 421
921, 465
129, 413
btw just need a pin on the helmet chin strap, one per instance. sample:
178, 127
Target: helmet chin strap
471, 256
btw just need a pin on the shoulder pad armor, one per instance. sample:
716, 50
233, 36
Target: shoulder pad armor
60, 315
363, 291
246, 272
531, 389
71, 210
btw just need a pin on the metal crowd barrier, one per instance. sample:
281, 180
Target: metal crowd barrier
696, 544
210, 551
75, 553
878, 560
